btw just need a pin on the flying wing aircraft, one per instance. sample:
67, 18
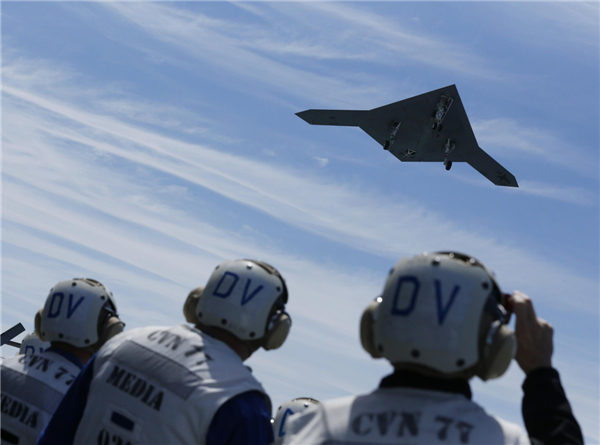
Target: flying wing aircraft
431, 127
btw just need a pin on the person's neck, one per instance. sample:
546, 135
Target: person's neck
81, 354
241, 348
403, 377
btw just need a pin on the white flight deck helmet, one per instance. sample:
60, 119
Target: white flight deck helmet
31, 344
287, 409
80, 312
246, 298
442, 311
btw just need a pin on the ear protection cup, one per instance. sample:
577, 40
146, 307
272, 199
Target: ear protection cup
367, 337
191, 304
499, 350
112, 327
277, 330
38, 325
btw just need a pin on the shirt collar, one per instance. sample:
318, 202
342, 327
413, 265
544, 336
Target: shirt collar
66, 355
409, 379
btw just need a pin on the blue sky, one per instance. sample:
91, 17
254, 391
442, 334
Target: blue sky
145, 143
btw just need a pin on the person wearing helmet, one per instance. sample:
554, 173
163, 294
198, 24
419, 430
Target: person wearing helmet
287, 409
79, 316
184, 384
440, 321
31, 344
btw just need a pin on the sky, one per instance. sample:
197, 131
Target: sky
145, 143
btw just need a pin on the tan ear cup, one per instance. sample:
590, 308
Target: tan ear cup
190, 305
367, 337
38, 324
500, 349
112, 327
279, 328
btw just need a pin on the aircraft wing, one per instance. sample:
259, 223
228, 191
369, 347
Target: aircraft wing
344, 118
491, 169
412, 132
11, 333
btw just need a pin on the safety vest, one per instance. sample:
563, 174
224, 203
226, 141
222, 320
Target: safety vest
32, 387
402, 416
160, 385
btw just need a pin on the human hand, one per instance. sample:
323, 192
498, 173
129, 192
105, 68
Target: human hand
534, 334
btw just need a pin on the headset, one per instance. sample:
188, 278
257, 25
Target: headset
80, 312
496, 343
277, 324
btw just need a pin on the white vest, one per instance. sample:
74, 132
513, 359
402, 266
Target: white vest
402, 416
32, 387
160, 385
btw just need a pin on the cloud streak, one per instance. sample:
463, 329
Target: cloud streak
339, 212
508, 136
268, 55
96, 184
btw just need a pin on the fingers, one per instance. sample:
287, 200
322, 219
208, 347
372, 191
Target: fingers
530, 309
518, 306
522, 306
534, 334
508, 307
547, 327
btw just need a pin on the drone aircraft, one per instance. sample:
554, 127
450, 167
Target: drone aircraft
431, 127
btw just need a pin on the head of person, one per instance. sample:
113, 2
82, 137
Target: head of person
31, 344
242, 304
440, 314
287, 409
79, 316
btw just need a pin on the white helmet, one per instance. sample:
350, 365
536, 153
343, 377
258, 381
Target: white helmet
80, 312
442, 311
246, 298
32, 344
287, 409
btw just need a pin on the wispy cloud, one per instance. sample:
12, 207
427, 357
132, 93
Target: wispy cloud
89, 193
559, 192
573, 195
235, 51
510, 137
394, 42
320, 32
322, 161
572, 23
337, 211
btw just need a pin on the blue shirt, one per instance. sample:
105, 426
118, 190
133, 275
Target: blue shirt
242, 420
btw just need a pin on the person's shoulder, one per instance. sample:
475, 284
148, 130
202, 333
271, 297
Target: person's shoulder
319, 423
330, 410
340, 403
9, 362
13, 365
143, 332
138, 335
512, 432
147, 330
